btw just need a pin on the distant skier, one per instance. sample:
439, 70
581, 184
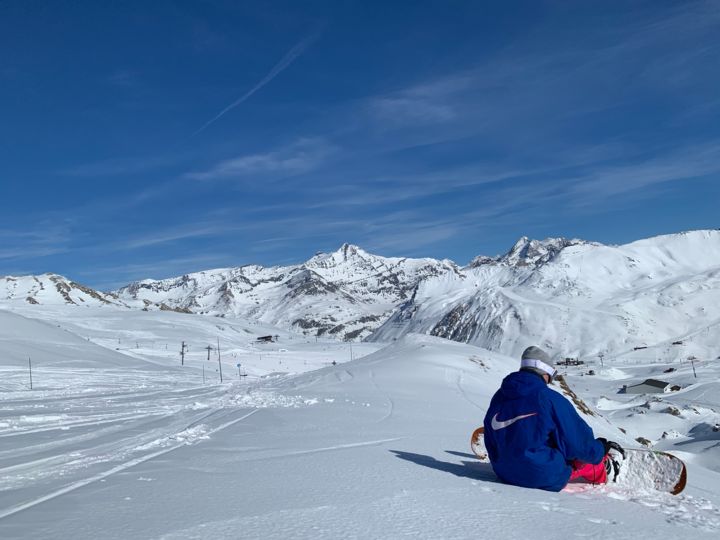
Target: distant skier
534, 436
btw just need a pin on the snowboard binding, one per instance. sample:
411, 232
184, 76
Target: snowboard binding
612, 467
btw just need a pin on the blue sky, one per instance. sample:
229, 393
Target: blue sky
151, 139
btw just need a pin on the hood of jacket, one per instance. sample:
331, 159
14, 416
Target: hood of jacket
521, 383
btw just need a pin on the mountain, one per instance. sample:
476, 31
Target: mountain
573, 297
52, 289
576, 298
528, 252
346, 294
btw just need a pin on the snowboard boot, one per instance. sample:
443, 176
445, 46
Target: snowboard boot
612, 468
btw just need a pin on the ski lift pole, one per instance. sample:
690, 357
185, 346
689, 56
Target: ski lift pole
30, 368
219, 364
183, 348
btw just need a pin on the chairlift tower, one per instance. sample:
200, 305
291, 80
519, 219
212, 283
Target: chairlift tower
183, 348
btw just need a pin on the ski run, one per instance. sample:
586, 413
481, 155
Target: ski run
307, 438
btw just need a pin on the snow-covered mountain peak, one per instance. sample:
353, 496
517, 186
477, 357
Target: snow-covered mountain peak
575, 297
531, 253
527, 252
347, 293
350, 250
51, 289
539, 288
481, 260
347, 253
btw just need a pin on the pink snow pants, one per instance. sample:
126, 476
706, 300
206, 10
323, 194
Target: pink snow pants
595, 474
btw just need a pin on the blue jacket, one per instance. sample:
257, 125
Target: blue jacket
532, 433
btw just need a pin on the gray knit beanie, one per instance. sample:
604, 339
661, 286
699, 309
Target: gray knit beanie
538, 361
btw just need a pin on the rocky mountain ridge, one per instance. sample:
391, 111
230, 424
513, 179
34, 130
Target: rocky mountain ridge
54, 289
556, 292
344, 294
564, 294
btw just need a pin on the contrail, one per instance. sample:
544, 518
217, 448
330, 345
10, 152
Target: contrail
288, 59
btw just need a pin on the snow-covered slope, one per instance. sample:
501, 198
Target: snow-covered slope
577, 298
345, 294
51, 346
371, 448
97, 338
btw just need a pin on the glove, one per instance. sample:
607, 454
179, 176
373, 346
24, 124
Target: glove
611, 445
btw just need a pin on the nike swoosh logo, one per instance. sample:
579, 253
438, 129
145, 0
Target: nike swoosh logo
500, 424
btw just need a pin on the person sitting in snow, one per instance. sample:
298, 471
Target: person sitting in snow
534, 436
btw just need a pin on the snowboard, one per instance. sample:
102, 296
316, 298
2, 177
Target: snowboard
641, 469
477, 444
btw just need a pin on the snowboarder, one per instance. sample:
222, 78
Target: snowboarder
534, 436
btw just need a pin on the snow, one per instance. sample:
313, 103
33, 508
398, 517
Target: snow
316, 438
374, 447
578, 299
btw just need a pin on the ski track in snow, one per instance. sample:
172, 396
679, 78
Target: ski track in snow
463, 393
61, 435
118, 468
390, 407
76, 454
314, 464
340, 447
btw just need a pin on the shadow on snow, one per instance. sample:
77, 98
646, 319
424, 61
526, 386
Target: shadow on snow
466, 469
461, 454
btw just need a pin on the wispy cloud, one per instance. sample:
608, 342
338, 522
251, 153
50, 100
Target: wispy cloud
123, 78
30, 252
555, 123
122, 166
278, 68
426, 103
299, 157
175, 234
45, 239
535, 92
123, 274
406, 232
675, 165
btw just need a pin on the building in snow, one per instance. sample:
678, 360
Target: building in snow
649, 386
570, 362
